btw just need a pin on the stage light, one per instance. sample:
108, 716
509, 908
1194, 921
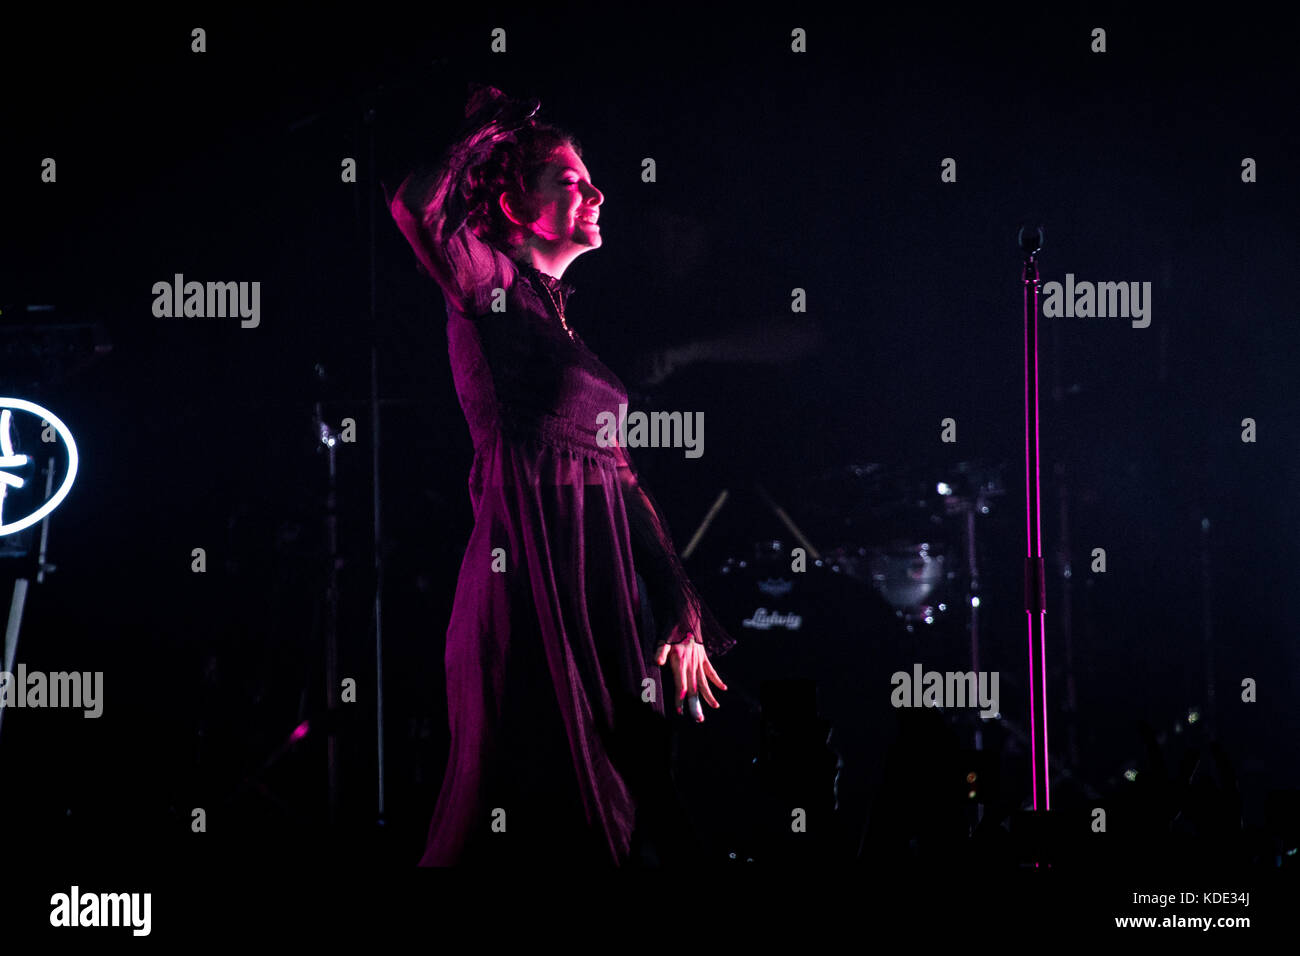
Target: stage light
1130, 775
1193, 716
944, 488
975, 601
62, 431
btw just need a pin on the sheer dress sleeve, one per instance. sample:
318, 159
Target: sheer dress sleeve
669, 589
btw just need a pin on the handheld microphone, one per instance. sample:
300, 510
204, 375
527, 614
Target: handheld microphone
694, 708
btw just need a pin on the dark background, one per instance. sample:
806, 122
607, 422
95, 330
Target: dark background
775, 170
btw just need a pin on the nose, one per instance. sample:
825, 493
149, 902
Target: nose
593, 196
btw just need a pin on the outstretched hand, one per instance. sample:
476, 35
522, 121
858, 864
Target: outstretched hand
692, 671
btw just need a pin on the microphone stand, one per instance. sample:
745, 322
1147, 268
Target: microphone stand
365, 105
329, 441
1035, 580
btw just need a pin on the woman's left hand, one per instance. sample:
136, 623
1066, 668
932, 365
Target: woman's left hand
691, 668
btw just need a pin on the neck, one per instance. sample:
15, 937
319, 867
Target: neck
552, 262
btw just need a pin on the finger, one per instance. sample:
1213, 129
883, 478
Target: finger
712, 674
679, 672
675, 668
708, 695
696, 673
701, 683
693, 669
661, 655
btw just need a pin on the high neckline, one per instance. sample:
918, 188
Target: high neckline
550, 281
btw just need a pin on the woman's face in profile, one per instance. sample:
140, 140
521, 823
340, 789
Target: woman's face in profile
565, 204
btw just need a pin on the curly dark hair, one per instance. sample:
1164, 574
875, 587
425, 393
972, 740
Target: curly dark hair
514, 166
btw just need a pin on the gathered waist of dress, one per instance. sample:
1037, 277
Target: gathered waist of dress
526, 424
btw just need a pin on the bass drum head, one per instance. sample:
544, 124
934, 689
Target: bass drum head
820, 625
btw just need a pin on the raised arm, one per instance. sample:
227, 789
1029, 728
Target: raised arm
430, 206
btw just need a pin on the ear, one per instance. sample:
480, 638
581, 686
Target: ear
515, 210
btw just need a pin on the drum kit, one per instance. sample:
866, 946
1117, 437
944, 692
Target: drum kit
898, 584
903, 534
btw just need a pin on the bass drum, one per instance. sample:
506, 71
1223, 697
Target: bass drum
821, 625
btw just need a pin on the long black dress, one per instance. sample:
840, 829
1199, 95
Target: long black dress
555, 704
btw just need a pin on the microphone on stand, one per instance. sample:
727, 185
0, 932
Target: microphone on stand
1031, 243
